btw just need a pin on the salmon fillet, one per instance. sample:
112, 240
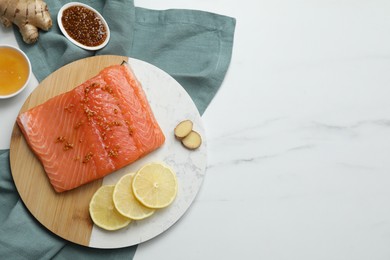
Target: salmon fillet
89, 132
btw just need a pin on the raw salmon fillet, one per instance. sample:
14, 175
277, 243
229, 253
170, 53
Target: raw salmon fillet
98, 127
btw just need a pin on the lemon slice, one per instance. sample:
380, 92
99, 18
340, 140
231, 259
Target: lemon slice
126, 203
155, 185
103, 211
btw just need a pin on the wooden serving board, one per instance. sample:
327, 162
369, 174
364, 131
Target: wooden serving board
65, 214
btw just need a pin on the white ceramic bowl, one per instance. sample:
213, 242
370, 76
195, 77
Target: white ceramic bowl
27, 61
91, 48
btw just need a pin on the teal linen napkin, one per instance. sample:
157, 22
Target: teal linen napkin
194, 47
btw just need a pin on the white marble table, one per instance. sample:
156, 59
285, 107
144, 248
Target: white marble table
298, 136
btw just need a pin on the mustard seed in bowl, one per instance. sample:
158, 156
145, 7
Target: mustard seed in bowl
84, 25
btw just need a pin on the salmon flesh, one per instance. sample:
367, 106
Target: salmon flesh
89, 132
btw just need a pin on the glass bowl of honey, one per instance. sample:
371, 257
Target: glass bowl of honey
15, 71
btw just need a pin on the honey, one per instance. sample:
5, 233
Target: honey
14, 71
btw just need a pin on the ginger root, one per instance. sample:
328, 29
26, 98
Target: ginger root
28, 15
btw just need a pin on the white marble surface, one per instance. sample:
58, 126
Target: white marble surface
298, 136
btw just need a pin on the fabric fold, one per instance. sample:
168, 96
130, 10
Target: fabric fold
194, 47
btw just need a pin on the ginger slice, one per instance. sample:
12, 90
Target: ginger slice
183, 129
192, 141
